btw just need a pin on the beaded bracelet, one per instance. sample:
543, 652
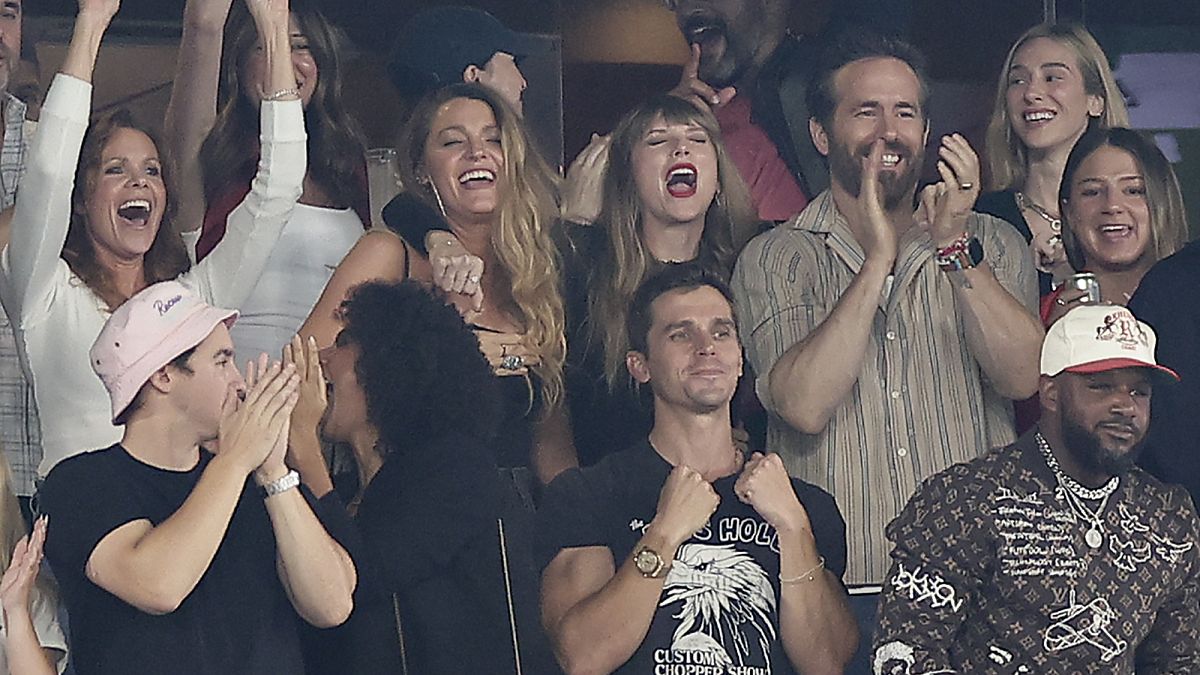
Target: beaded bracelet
804, 577
959, 244
281, 94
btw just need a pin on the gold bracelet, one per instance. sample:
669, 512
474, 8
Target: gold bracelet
804, 577
279, 95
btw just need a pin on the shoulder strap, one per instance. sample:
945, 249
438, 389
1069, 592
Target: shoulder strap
512, 616
400, 635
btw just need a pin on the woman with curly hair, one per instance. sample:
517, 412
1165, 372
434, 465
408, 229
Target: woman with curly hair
212, 125
94, 224
466, 154
451, 587
1054, 86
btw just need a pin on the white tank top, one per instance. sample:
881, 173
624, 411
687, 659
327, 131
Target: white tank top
313, 242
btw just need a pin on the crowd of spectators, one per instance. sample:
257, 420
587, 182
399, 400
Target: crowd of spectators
550, 387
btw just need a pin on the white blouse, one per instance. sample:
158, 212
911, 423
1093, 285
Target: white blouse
313, 242
56, 317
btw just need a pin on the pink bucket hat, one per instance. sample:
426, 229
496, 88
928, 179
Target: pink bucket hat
161, 322
1095, 338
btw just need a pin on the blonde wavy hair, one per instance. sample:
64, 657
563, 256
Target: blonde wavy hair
523, 230
1006, 155
625, 262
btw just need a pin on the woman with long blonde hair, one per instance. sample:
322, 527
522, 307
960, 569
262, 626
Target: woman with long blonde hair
1055, 85
671, 194
469, 164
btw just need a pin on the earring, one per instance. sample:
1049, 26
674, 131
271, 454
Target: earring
438, 197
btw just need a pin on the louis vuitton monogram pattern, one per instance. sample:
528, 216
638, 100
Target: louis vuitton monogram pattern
991, 574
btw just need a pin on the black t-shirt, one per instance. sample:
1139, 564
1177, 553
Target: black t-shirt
237, 619
718, 612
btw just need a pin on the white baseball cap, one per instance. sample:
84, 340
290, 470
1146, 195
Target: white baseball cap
1099, 337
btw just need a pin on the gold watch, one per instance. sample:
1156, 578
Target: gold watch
650, 563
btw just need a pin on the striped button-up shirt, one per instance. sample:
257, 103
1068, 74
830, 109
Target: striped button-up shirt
921, 402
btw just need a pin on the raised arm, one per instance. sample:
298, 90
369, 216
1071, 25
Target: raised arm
227, 276
43, 209
999, 296
598, 614
155, 567
193, 106
813, 376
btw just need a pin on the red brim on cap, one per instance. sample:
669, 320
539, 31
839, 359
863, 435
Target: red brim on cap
1112, 364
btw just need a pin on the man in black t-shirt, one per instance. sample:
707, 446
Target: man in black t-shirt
168, 557
679, 554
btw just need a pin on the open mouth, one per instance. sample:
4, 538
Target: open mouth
1038, 116
477, 178
135, 212
1116, 231
681, 180
890, 160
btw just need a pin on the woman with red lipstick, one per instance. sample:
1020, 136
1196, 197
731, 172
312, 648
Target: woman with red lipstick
94, 225
671, 194
1055, 85
215, 138
472, 170
1122, 211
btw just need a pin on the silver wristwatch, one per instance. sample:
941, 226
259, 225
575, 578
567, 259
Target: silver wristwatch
289, 480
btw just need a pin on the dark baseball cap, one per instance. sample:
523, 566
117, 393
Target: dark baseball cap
438, 44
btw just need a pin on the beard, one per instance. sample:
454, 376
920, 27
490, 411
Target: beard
846, 167
1091, 452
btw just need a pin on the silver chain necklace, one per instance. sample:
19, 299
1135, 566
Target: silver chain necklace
1075, 494
1024, 202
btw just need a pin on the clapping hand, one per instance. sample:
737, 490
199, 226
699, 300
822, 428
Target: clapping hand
23, 570
254, 431
880, 237
944, 206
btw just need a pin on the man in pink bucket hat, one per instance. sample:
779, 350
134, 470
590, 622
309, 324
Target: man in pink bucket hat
170, 559
1056, 554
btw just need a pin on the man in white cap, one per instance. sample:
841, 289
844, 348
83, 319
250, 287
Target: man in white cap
1055, 554
170, 559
